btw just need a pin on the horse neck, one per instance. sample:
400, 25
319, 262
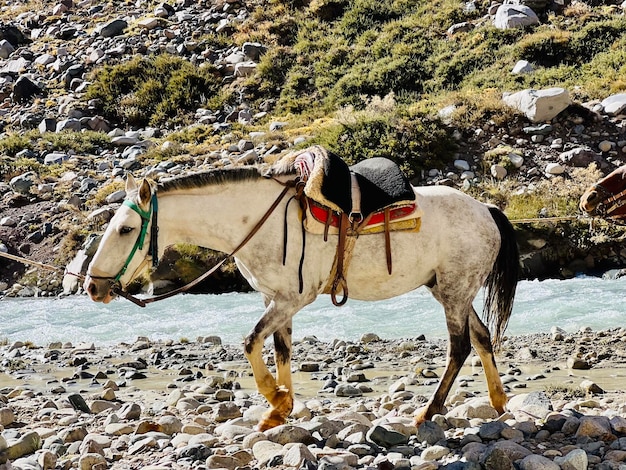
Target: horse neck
218, 217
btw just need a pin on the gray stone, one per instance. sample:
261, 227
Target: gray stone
24, 89
580, 157
253, 50
430, 432
384, 437
491, 430
287, 433
22, 183
574, 460
26, 444
6, 49
113, 28
595, 427
538, 462
514, 16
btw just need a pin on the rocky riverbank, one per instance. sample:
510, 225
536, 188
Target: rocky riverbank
164, 405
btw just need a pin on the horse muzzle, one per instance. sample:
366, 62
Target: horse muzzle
99, 289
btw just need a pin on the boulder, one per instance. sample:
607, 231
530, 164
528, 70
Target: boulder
514, 16
539, 105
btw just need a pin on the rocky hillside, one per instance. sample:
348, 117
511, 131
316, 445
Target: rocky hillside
518, 105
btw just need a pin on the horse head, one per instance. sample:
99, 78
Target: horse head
124, 248
607, 197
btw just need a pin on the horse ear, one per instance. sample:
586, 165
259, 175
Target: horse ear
145, 192
131, 184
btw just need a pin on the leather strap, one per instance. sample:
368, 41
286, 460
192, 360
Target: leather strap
339, 280
387, 239
356, 217
329, 218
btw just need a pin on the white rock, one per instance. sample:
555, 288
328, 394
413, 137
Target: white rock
516, 160
264, 451
148, 23
434, 452
245, 69
8, 221
474, 408
522, 66
614, 104
514, 16
539, 105
555, 169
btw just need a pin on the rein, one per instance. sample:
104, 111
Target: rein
118, 290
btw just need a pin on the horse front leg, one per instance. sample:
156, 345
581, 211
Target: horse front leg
278, 391
458, 349
481, 340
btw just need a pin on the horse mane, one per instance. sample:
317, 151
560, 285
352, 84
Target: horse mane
283, 166
210, 178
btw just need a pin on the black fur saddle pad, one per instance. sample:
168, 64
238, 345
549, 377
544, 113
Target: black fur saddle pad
328, 181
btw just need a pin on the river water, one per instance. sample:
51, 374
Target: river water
539, 305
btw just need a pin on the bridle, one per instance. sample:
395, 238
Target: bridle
146, 217
151, 215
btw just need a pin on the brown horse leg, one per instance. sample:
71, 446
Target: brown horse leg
458, 349
481, 341
277, 394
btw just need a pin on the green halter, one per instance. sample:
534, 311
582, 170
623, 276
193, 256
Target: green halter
145, 220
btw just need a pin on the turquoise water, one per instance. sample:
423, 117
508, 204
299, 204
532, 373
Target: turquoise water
570, 304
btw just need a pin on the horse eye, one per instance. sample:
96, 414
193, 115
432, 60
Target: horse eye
125, 229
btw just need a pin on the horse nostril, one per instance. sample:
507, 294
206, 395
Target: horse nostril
91, 289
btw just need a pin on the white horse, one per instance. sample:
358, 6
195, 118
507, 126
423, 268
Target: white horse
462, 245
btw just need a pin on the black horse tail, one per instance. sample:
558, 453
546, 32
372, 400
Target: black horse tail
501, 282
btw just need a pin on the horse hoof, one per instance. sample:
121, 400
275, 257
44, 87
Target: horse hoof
421, 416
270, 419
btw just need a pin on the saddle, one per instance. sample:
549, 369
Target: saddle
372, 196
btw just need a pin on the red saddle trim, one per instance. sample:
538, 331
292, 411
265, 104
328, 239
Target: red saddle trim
320, 213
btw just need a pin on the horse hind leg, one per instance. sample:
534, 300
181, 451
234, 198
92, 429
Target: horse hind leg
458, 350
481, 340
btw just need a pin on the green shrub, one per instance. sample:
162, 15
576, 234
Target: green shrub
86, 142
415, 142
153, 90
273, 68
13, 143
